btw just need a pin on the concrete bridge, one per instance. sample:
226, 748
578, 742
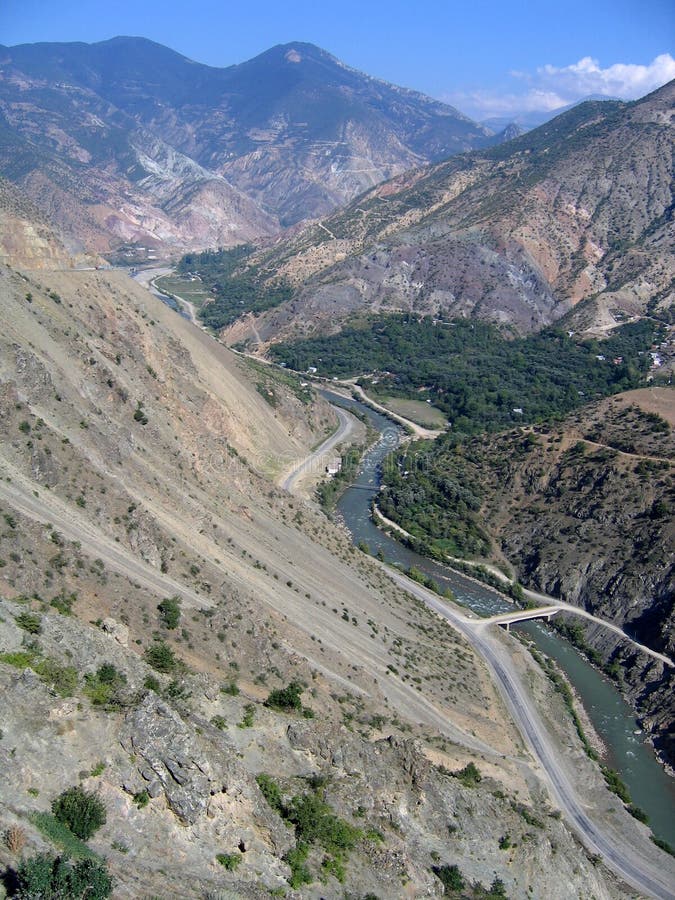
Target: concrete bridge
548, 610
523, 615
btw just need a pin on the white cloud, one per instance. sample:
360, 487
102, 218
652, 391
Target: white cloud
551, 87
625, 80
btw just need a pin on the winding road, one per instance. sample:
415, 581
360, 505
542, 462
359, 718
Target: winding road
621, 855
315, 460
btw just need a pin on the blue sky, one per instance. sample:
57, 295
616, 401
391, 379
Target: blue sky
486, 57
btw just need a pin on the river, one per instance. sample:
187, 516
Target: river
650, 787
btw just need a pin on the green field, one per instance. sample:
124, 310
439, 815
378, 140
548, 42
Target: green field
183, 287
418, 411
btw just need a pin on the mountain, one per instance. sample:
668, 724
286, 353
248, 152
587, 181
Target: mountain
27, 239
581, 509
525, 121
580, 209
126, 142
214, 658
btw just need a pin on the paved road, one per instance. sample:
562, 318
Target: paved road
553, 605
621, 855
314, 460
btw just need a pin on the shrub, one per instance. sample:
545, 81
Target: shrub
270, 791
469, 775
161, 657
450, 877
141, 798
247, 718
63, 603
82, 811
30, 622
63, 679
61, 836
106, 687
296, 859
315, 823
169, 611
46, 876
229, 861
15, 839
286, 699
662, 845
152, 684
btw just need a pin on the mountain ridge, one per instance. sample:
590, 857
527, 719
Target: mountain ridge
286, 136
578, 209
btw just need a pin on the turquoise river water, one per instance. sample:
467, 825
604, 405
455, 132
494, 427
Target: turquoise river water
650, 787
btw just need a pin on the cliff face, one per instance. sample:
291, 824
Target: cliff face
579, 209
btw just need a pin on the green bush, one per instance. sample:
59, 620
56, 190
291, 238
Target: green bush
63, 679
46, 877
450, 877
469, 775
107, 687
82, 811
296, 859
60, 835
247, 718
169, 611
229, 861
286, 699
161, 657
64, 603
30, 622
270, 791
315, 823
141, 798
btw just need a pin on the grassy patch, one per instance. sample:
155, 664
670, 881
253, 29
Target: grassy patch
61, 836
419, 411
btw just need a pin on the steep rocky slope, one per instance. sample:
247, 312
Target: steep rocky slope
127, 142
582, 511
132, 453
27, 239
580, 209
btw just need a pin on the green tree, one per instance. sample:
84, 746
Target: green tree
46, 877
82, 811
286, 699
161, 657
169, 611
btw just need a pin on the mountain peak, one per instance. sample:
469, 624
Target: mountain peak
294, 130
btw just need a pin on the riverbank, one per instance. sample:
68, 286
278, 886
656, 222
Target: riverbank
611, 718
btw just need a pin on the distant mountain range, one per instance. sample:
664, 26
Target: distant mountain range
526, 120
126, 142
580, 209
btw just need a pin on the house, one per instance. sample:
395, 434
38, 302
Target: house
334, 466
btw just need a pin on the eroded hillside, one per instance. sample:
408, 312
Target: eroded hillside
132, 454
579, 209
